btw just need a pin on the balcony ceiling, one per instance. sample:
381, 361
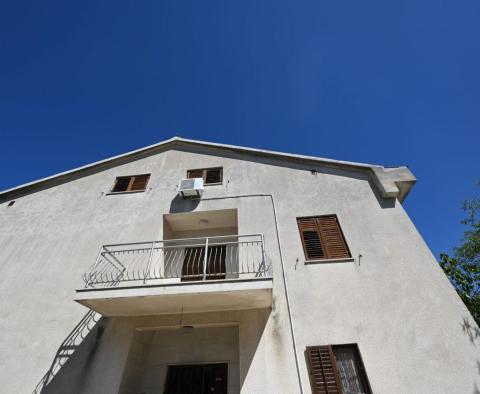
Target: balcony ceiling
202, 220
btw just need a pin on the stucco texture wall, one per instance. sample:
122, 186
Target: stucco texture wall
414, 334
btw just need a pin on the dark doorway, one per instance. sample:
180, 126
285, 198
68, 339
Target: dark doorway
193, 261
197, 379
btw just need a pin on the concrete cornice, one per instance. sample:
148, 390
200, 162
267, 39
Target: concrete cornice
394, 182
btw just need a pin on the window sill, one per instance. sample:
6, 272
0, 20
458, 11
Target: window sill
213, 184
323, 261
127, 192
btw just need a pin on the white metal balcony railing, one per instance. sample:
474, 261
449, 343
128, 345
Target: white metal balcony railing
179, 260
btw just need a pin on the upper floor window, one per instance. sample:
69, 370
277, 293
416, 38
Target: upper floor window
322, 238
135, 183
337, 369
211, 176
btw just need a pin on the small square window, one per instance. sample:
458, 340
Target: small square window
211, 176
134, 183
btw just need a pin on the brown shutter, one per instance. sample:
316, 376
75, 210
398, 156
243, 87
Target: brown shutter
139, 182
322, 369
322, 238
332, 237
311, 241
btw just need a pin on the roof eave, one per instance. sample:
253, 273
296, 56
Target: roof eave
392, 182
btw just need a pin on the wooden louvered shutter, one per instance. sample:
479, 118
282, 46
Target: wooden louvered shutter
332, 237
139, 182
312, 244
324, 378
322, 238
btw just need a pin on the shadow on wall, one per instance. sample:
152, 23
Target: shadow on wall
255, 330
179, 204
71, 362
385, 203
473, 333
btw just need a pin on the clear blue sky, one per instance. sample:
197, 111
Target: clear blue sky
392, 83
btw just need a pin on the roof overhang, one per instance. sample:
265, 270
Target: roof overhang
392, 182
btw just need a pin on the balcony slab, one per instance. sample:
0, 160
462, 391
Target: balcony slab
172, 298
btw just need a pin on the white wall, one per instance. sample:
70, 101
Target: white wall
395, 303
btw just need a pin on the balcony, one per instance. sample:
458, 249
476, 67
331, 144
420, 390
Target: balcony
179, 276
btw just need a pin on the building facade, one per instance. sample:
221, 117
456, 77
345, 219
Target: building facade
288, 274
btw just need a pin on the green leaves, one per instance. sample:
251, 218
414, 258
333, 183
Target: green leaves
463, 269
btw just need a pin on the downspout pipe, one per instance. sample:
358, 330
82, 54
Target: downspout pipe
289, 309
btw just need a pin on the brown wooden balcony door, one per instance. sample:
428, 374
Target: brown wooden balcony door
193, 261
192, 268
216, 262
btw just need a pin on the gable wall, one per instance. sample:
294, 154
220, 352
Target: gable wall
395, 302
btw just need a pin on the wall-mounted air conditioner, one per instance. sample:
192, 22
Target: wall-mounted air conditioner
190, 188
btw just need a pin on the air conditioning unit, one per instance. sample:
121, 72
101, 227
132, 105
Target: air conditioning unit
190, 188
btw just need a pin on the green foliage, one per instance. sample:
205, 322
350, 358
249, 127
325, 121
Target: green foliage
463, 268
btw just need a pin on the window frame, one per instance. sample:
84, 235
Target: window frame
331, 349
130, 184
204, 175
358, 360
325, 259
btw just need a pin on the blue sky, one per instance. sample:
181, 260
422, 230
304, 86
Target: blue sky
392, 83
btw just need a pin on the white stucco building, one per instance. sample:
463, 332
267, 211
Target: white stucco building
288, 274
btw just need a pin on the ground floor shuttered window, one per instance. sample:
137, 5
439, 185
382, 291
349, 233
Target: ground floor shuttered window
336, 369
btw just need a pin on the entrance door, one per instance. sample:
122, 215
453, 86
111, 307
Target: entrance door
193, 261
197, 379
